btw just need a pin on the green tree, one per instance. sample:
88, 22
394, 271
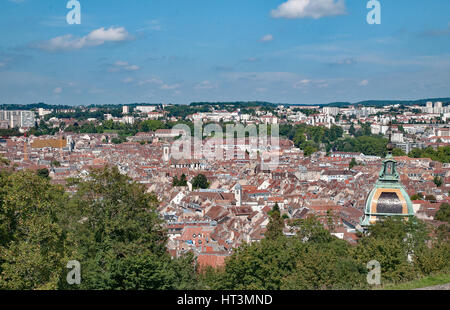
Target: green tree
331, 219
430, 198
398, 152
390, 242
4, 161
34, 249
353, 163
443, 213
122, 244
200, 181
309, 150
183, 180
312, 230
438, 181
324, 267
290, 263
43, 173
352, 130
442, 154
368, 145
276, 224
416, 197
179, 182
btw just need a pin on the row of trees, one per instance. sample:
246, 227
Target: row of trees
368, 145
310, 139
314, 138
198, 182
10, 132
441, 154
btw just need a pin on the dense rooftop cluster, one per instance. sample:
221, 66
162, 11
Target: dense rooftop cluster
234, 209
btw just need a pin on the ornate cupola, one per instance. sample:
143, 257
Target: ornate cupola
388, 197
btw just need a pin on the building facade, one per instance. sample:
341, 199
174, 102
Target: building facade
22, 119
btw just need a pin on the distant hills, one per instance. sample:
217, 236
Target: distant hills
241, 104
378, 103
368, 103
32, 106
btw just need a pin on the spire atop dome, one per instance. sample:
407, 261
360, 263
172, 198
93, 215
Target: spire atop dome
390, 145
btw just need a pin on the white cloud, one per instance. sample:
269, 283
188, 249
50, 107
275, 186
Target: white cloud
205, 85
95, 38
347, 61
251, 59
2, 64
170, 87
111, 34
364, 83
262, 77
158, 82
305, 83
153, 25
57, 90
151, 81
122, 66
128, 80
120, 63
309, 8
267, 38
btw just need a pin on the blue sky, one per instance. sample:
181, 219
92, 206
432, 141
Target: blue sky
179, 51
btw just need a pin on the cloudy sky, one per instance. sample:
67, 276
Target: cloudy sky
179, 51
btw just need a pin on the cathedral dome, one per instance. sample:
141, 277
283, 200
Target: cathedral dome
388, 197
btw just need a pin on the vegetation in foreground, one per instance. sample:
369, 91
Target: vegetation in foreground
110, 225
429, 281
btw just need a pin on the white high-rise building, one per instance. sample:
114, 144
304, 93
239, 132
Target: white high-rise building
331, 110
438, 108
43, 112
146, 109
125, 110
429, 108
22, 119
